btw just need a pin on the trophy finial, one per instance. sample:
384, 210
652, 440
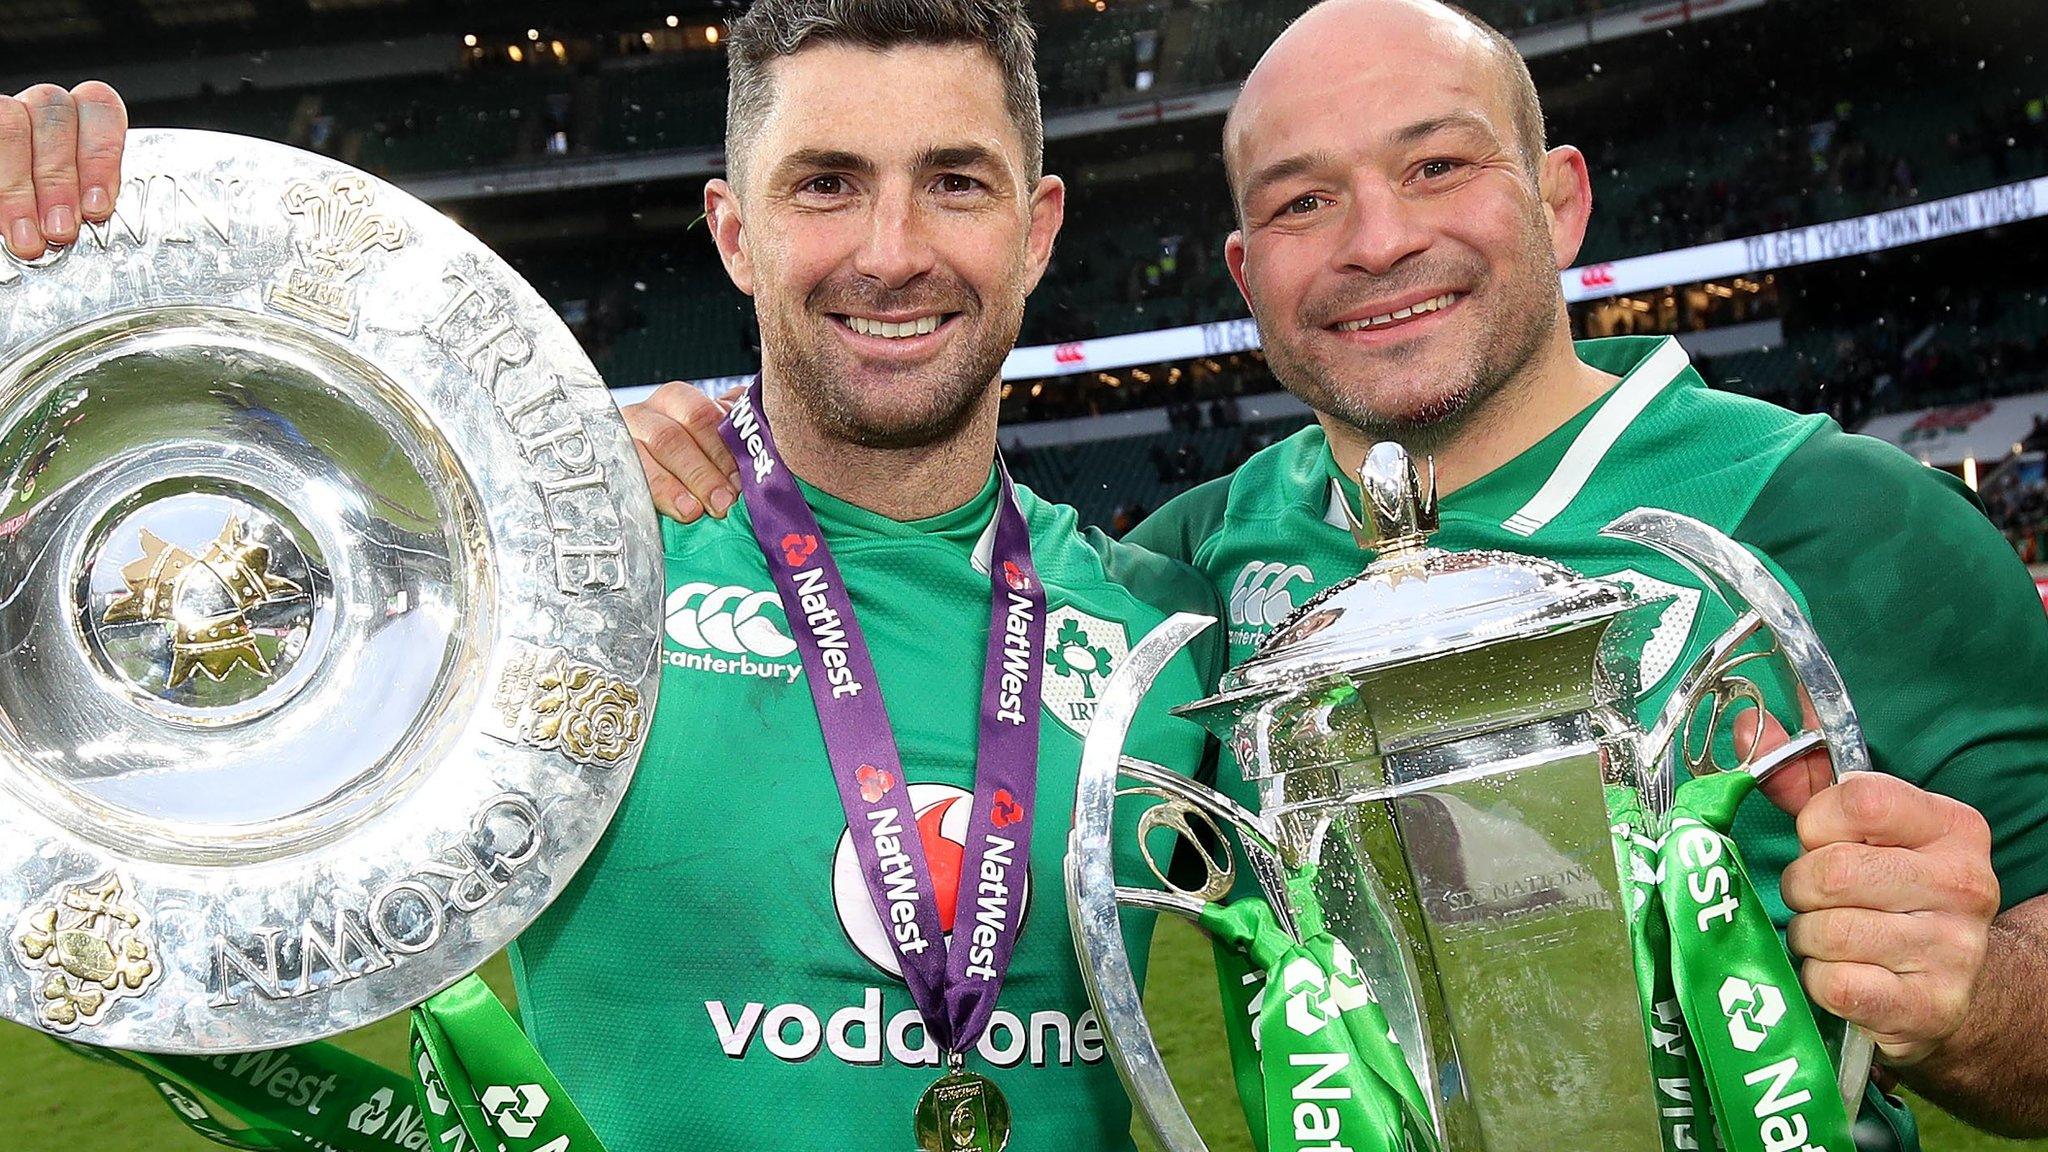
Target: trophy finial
1399, 509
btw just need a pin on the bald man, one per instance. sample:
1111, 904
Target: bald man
1401, 227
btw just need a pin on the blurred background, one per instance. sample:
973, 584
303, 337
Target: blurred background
1837, 205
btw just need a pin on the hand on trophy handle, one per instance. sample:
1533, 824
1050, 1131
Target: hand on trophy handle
1828, 718
1892, 899
60, 163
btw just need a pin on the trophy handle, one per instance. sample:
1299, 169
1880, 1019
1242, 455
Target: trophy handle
1741, 579
1093, 895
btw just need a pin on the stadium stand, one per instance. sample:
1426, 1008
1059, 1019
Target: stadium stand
612, 94
1112, 483
1771, 136
1148, 208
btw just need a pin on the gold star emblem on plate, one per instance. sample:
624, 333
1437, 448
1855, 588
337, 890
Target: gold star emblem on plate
204, 599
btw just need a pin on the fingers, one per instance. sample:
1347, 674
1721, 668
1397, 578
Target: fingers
23, 232
1875, 808
671, 499
1906, 1014
60, 163
53, 121
702, 462
102, 135
1906, 943
1888, 879
676, 466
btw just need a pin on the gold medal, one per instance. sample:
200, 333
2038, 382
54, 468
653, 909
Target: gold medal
962, 1112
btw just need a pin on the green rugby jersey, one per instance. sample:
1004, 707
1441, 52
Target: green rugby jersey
1930, 616
716, 977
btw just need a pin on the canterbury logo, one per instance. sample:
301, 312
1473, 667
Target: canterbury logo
1263, 595
731, 619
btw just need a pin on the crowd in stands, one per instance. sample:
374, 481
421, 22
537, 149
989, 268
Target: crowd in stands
2017, 498
1200, 394
529, 101
1953, 347
1800, 166
1142, 249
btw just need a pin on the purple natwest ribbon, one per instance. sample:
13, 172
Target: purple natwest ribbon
954, 988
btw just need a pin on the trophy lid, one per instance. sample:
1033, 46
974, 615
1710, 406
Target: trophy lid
1416, 602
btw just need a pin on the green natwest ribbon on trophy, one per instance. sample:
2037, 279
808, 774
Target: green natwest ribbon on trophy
1737, 1055
1734, 1046
1322, 1072
480, 1087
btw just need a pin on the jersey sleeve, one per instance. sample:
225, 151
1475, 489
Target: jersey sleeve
1935, 625
1181, 525
1169, 585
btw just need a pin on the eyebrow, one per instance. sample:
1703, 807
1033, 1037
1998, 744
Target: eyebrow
1292, 166
1464, 118
959, 156
826, 158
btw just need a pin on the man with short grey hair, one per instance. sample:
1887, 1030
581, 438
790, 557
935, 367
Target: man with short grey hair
822, 917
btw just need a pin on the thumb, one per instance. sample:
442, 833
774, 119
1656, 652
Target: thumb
1794, 785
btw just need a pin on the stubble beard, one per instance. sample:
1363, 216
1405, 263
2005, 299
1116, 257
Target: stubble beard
1513, 331
954, 388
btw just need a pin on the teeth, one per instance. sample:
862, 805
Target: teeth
1413, 310
922, 326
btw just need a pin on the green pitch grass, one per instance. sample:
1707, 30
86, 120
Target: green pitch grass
52, 1099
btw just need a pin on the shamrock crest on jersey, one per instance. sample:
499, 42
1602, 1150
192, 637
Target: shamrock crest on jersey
1081, 653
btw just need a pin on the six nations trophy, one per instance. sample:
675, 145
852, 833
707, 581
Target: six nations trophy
331, 607
1437, 745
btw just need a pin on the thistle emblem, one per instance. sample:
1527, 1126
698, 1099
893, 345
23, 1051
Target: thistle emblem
344, 232
92, 944
204, 600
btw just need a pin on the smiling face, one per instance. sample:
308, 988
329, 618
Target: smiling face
1399, 253
889, 231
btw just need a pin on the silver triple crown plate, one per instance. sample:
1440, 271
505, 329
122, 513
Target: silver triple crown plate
329, 592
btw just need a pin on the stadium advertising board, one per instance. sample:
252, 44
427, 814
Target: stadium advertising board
1984, 430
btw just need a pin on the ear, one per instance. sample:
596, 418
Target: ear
1048, 213
722, 212
1233, 259
1567, 193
